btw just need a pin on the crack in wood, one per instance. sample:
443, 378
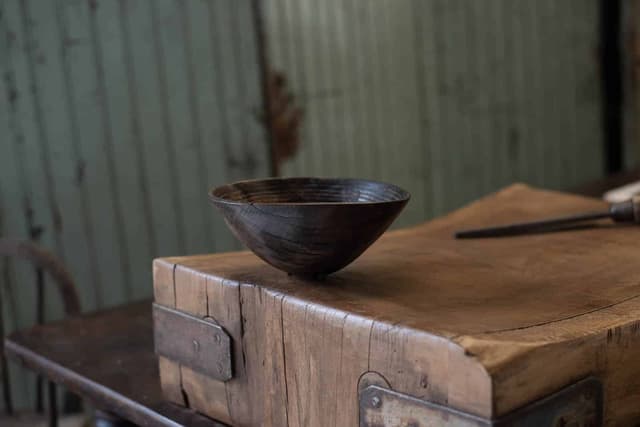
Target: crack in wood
369, 350
206, 299
173, 279
242, 328
227, 392
183, 392
284, 361
547, 322
339, 371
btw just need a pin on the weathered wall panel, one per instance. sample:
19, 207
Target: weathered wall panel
116, 117
630, 44
449, 98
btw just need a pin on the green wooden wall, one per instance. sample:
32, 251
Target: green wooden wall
115, 119
451, 99
117, 115
630, 46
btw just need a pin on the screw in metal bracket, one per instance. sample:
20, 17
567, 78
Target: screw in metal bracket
376, 402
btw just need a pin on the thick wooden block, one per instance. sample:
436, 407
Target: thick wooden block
482, 326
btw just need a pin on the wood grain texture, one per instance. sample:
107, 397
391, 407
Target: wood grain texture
482, 325
308, 226
200, 392
164, 293
224, 307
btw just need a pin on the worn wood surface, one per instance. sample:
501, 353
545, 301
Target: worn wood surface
116, 369
436, 95
480, 325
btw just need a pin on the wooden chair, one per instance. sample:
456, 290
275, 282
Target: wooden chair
44, 262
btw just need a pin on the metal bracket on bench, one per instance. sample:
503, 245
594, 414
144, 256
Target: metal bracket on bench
578, 405
200, 344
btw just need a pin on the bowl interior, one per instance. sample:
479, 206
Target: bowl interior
309, 191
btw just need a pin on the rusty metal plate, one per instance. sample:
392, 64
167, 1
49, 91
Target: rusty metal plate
578, 405
199, 344
381, 407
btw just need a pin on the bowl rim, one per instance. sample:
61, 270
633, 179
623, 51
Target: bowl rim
405, 196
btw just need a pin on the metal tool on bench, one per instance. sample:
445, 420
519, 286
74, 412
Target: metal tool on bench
627, 211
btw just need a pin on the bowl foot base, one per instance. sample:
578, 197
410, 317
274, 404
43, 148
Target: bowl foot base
318, 277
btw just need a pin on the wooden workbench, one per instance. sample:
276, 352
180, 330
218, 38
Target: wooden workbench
480, 326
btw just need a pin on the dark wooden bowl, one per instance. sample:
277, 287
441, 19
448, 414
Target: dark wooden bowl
309, 226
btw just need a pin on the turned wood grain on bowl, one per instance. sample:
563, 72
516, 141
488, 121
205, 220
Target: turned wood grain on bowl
309, 226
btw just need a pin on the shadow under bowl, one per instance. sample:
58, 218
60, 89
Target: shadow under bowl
309, 226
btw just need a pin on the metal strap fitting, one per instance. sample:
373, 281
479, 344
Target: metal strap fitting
200, 344
578, 405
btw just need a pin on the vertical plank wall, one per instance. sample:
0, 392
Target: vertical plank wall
451, 99
117, 115
630, 44
115, 119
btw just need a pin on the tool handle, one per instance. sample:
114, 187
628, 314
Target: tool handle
627, 211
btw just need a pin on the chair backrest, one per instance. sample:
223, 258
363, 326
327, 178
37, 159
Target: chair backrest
44, 262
